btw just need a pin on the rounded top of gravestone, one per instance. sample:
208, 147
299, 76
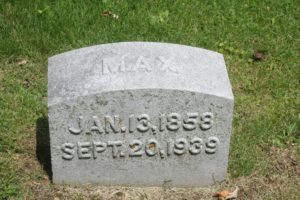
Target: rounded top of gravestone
135, 66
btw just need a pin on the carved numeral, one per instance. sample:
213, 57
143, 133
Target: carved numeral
206, 120
196, 146
151, 147
136, 148
173, 121
191, 122
212, 144
180, 146
145, 124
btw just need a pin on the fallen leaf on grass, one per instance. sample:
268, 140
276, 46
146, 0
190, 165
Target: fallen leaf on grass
106, 13
221, 195
259, 55
233, 195
224, 195
22, 62
109, 14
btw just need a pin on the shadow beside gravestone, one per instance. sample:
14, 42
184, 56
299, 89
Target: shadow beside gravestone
43, 145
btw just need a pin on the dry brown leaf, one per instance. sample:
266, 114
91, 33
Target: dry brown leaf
109, 14
106, 13
234, 194
224, 195
221, 195
259, 55
22, 62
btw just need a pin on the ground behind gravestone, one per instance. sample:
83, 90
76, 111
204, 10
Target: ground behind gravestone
260, 42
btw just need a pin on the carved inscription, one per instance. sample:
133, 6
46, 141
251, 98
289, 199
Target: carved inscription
127, 64
139, 148
143, 123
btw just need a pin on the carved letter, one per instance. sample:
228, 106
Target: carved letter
166, 64
99, 147
76, 131
68, 151
142, 63
97, 125
84, 150
122, 67
114, 145
105, 67
113, 124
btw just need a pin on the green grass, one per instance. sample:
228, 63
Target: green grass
267, 100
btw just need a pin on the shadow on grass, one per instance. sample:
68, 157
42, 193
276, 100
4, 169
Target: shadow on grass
43, 145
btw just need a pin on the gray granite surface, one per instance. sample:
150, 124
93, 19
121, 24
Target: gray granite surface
139, 114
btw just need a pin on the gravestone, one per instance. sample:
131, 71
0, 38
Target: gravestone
139, 114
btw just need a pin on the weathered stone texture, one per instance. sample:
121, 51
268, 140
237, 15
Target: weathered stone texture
139, 114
